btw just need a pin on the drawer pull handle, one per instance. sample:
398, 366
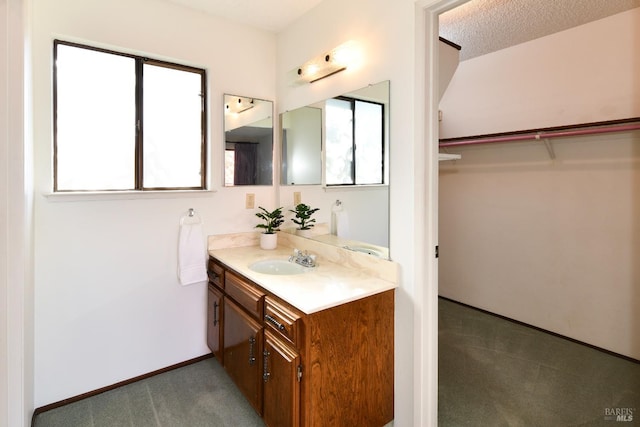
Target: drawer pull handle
252, 357
213, 276
273, 321
265, 367
215, 313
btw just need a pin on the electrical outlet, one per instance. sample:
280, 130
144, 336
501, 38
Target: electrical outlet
250, 201
297, 198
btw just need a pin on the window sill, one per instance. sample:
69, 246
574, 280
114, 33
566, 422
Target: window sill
125, 195
354, 187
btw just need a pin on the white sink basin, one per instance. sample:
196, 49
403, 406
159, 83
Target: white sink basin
278, 267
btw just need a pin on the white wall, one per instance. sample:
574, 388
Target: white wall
449, 58
108, 305
553, 243
384, 31
581, 75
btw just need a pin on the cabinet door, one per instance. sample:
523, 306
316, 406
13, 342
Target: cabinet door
214, 322
243, 342
282, 374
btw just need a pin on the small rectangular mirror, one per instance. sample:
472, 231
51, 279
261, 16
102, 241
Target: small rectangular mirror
248, 132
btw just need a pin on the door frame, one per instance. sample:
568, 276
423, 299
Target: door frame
426, 176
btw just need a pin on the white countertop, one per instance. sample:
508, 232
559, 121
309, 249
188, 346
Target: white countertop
325, 286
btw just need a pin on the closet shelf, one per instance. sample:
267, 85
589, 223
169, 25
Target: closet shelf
447, 156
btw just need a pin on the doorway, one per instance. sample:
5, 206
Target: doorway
431, 137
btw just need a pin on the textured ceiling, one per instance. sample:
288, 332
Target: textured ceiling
479, 26
484, 26
270, 15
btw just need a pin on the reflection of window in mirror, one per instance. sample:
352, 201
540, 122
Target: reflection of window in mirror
354, 142
248, 141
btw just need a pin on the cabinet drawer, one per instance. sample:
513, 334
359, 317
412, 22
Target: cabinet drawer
216, 273
282, 319
245, 294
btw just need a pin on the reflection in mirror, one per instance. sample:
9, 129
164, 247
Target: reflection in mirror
350, 123
351, 216
302, 146
248, 130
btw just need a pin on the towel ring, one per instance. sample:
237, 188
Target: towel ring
192, 216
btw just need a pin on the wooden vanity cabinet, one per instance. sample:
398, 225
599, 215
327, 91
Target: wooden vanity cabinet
329, 368
347, 361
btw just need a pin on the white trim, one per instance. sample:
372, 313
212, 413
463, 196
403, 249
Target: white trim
361, 187
16, 352
426, 226
425, 406
86, 196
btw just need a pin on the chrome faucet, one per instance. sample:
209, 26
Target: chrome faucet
303, 258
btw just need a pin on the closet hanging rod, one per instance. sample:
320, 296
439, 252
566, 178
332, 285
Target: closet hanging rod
541, 135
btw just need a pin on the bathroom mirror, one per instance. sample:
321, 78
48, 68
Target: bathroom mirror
362, 209
248, 132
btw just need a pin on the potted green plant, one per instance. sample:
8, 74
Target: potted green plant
272, 222
303, 218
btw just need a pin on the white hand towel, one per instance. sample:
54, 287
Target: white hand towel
192, 260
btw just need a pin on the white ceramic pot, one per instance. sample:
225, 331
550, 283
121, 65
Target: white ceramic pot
268, 241
303, 233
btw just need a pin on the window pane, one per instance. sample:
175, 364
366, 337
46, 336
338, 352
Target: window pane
368, 143
95, 139
339, 155
172, 128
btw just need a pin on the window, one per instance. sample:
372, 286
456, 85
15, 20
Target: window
123, 122
355, 135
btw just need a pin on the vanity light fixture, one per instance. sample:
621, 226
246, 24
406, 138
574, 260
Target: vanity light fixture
242, 104
325, 65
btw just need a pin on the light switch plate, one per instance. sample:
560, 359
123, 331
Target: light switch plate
297, 198
250, 201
